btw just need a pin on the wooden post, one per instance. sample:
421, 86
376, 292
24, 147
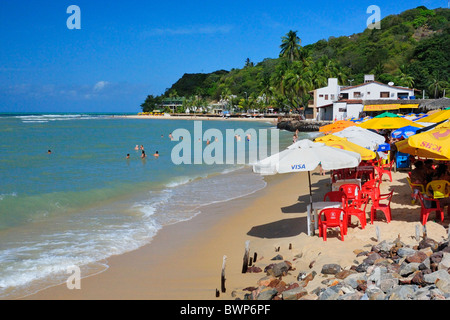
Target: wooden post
417, 233
255, 255
223, 274
245, 263
377, 230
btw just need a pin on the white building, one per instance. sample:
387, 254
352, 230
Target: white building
343, 102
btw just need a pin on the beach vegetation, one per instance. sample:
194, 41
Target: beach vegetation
409, 49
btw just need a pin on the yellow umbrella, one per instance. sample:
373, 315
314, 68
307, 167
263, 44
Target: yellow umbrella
336, 126
433, 144
437, 116
342, 143
388, 123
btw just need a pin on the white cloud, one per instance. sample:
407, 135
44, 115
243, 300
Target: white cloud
99, 86
191, 30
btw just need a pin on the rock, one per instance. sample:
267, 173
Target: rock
371, 258
405, 292
332, 268
362, 267
330, 293
301, 275
351, 296
384, 246
267, 294
375, 293
279, 269
443, 285
409, 268
277, 257
445, 261
352, 279
308, 278
266, 281
344, 274
433, 277
405, 251
427, 251
375, 276
427, 242
388, 282
418, 256
418, 279
294, 294
436, 257
254, 269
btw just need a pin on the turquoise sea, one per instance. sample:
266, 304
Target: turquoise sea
85, 201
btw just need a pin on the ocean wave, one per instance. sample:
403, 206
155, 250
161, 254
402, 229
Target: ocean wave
4, 195
43, 118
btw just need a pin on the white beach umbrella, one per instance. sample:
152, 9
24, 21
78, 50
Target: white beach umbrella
305, 155
363, 137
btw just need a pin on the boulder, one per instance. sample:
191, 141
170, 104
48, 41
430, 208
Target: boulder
331, 268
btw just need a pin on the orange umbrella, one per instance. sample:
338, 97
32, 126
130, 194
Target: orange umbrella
336, 126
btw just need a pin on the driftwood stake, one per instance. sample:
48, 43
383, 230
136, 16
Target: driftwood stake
377, 230
223, 274
255, 255
245, 263
417, 233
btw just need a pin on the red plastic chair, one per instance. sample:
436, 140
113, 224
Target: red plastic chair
335, 196
354, 209
351, 190
332, 218
368, 190
425, 212
385, 169
385, 207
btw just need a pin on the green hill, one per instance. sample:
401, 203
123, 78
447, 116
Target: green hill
410, 49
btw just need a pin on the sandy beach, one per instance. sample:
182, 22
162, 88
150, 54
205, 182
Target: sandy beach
184, 260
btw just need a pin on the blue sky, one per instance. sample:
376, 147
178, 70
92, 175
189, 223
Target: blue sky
126, 50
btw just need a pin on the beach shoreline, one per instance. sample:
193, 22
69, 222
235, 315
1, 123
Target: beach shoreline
184, 260
197, 117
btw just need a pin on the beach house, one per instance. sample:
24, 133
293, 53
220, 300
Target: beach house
335, 102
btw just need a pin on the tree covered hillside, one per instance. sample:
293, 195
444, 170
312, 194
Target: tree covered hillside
410, 49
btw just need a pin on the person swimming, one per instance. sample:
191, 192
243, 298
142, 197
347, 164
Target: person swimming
156, 154
143, 154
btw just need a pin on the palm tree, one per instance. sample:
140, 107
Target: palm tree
290, 46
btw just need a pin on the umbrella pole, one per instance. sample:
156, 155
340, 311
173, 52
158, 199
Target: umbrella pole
312, 221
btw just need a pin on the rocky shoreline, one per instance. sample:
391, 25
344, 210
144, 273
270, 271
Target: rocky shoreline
390, 270
301, 125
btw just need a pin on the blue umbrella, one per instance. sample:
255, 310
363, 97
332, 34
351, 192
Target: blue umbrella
404, 132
